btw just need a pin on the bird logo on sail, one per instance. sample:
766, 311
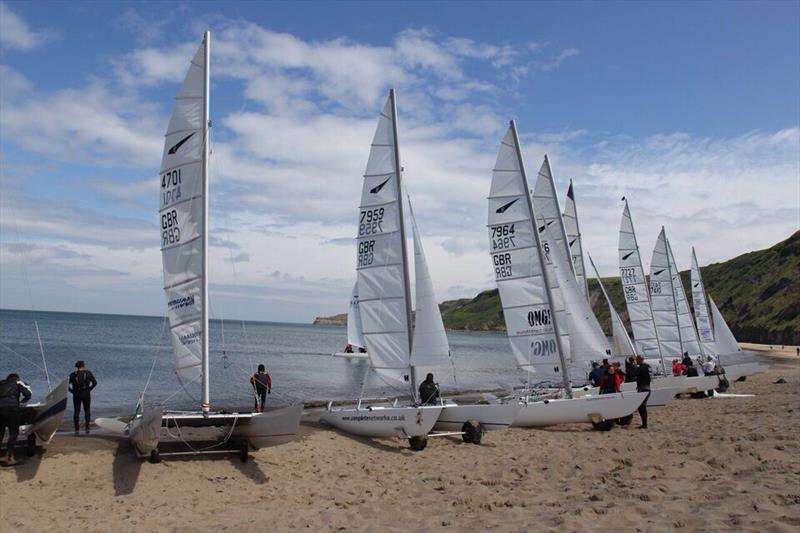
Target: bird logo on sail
178, 145
504, 208
543, 226
572, 242
657, 272
377, 188
626, 256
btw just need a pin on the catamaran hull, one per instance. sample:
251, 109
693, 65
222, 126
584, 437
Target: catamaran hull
145, 432
271, 428
697, 384
380, 421
659, 396
490, 416
734, 372
575, 410
349, 355
42, 421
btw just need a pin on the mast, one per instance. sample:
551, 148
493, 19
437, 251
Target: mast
674, 297
578, 227
206, 399
610, 306
649, 299
565, 369
404, 248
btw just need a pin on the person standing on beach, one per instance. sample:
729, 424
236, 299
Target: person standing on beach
643, 385
81, 383
630, 369
11, 389
262, 385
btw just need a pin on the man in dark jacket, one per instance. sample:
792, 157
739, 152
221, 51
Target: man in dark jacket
81, 383
643, 385
11, 389
630, 369
262, 385
428, 391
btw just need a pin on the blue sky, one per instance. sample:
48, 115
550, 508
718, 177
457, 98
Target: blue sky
690, 109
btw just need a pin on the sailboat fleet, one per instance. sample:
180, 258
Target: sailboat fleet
537, 255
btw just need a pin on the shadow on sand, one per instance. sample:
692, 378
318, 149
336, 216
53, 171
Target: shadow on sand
368, 441
126, 469
27, 467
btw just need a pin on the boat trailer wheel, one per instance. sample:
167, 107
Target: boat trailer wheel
625, 420
418, 443
472, 431
605, 425
155, 457
244, 451
30, 445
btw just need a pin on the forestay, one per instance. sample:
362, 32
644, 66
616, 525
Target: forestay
689, 339
662, 293
621, 342
518, 266
182, 214
725, 342
430, 346
381, 269
701, 314
355, 335
574, 241
635, 289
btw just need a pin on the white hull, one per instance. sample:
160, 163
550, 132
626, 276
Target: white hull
575, 410
700, 384
384, 421
272, 427
145, 431
490, 416
45, 418
353, 355
734, 372
660, 394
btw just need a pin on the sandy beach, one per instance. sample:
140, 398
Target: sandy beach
712, 464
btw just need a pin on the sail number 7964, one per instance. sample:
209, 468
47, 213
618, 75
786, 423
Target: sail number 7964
503, 237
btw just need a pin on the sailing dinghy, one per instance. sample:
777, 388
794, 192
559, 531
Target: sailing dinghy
355, 334
184, 251
533, 324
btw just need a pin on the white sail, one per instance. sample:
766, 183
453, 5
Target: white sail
689, 339
183, 212
382, 272
355, 335
635, 288
574, 242
725, 343
662, 294
621, 345
518, 267
430, 346
701, 313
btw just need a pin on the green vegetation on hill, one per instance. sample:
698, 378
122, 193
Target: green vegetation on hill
758, 293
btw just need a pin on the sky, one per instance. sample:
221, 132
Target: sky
690, 110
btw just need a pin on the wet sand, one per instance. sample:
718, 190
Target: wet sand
711, 464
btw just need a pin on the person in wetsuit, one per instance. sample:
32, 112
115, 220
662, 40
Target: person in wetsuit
11, 389
262, 384
643, 385
81, 383
428, 391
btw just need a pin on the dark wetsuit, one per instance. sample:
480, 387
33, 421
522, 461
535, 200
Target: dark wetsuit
643, 385
10, 392
428, 392
630, 371
81, 383
262, 383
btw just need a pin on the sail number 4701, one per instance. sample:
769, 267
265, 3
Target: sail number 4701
171, 187
503, 237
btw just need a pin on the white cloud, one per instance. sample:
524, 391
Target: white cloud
556, 62
15, 32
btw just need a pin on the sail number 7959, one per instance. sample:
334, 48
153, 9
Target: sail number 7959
370, 221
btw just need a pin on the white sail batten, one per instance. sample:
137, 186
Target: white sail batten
355, 334
689, 339
662, 294
636, 290
183, 213
518, 265
430, 346
381, 266
621, 344
574, 241
724, 341
701, 313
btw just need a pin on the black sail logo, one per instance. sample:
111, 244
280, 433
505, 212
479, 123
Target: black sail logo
572, 242
377, 188
178, 145
504, 208
626, 256
657, 272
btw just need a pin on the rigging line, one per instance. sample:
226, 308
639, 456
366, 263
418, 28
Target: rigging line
29, 361
44, 360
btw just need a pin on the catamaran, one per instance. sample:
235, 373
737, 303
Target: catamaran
355, 333
714, 332
536, 328
184, 252
575, 242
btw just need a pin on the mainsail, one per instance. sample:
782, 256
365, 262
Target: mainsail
634, 286
725, 342
184, 214
355, 334
430, 346
574, 242
519, 266
701, 314
689, 339
662, 294
383, 286
621, 341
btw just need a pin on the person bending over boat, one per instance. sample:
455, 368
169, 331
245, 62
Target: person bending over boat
429, 391
262, 384
81, 383
643, 385
597, 373
11, 389
691, 371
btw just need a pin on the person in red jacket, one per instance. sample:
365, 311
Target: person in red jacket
262, 385
619, 377
678, 368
